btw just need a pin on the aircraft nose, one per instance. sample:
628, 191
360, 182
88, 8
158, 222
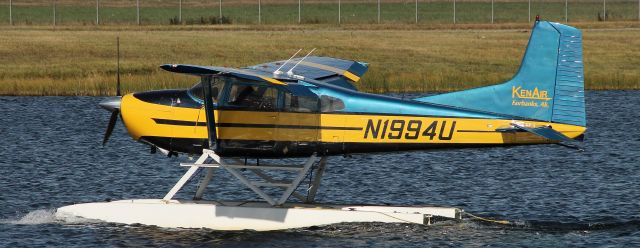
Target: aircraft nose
112, 103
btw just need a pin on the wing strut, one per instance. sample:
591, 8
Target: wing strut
208, 108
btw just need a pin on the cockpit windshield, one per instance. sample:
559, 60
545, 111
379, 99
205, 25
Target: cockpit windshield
196, 91
216, 90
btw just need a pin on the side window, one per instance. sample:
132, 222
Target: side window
330, 104
269, 99
300, 103
253, 97
216, 90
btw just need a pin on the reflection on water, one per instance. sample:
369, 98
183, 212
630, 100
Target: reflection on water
52, 156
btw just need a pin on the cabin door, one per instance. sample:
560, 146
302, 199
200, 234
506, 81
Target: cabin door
299, 124
249, 120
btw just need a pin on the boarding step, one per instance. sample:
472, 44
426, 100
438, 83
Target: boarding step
200, 165
259, 167
267, 167
281, 185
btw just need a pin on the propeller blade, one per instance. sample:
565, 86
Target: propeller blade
112, 124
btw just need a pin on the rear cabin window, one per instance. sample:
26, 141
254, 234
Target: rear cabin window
253, 97
330, 104
300, 103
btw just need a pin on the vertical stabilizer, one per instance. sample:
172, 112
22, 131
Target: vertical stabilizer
549, 86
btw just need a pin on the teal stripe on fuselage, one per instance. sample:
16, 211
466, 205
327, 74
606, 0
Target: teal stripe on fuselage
358, 102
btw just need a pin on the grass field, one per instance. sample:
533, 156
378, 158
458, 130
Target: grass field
155, 12
76, 57
81, 61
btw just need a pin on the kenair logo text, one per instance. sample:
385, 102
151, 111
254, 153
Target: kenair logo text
534, 94
527, 95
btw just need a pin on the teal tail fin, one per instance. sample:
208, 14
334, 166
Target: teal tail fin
549, 86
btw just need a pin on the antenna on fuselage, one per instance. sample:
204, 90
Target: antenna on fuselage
278, 71
290, 72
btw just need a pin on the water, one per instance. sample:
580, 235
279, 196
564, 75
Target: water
52, 156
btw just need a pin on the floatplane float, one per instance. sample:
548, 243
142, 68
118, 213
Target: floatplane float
309, 107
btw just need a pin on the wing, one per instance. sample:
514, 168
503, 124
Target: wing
334, 71
338, 72
198, 70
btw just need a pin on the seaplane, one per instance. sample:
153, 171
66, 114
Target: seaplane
309, 107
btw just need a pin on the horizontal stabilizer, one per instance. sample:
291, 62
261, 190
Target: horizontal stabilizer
545, 132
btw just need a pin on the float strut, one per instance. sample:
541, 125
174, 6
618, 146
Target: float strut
235, 170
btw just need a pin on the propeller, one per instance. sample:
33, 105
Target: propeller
113, 104
112, 123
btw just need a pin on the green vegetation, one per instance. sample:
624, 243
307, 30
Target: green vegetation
76, 57
82, 12
81, 60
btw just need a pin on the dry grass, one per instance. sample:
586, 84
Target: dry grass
81, 61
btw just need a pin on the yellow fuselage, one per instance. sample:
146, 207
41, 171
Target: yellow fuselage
261, 133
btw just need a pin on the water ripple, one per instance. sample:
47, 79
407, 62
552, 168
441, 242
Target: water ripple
554, 196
